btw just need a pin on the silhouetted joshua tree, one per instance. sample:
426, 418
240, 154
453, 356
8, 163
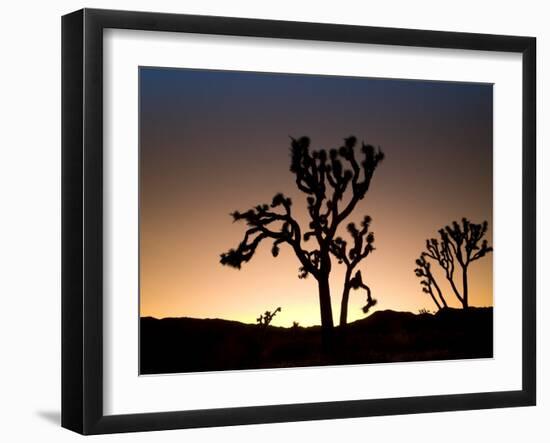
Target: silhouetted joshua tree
265, 318
461, 243
428, 282
324, 177
363, 241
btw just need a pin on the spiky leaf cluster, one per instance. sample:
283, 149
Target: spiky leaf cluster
362, 246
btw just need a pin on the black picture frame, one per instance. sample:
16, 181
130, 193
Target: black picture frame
82, 216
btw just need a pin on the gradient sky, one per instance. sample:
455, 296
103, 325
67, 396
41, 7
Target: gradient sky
215, 141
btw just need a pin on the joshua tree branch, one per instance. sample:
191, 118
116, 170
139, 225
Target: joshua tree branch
428, 281
260, 219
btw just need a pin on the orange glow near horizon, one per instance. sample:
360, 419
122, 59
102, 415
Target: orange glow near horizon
185, 278
198, 166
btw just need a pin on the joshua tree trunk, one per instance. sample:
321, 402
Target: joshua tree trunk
435, 301
344, 307
327, 325
465, 287
345, 299
440, 294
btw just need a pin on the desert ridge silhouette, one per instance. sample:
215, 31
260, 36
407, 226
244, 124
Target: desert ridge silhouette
178, 345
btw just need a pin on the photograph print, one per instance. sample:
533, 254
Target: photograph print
297, 220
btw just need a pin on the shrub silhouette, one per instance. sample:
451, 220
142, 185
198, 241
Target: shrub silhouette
462, 244
428, 283
325, 178
265, 318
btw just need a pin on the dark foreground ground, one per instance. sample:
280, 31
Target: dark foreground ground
189, 345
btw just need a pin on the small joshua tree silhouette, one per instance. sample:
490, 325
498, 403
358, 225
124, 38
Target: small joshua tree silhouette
462, 244
428, 282
265, 318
